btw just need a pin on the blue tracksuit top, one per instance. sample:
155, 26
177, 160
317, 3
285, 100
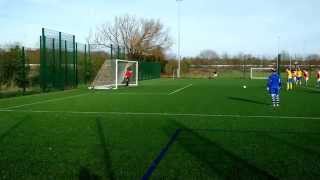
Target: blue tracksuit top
274, 81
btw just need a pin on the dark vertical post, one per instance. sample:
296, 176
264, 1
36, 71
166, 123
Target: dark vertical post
74, 78
85, 64
118, 53
89, 63
124, 52
111, 53
59, 76
77, 73
41, 62
43, 65
24, 79
54, 77
278, 63
65, 64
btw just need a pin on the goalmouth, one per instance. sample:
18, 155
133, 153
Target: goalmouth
111, 74
260, 73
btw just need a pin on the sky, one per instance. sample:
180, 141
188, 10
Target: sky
258, 27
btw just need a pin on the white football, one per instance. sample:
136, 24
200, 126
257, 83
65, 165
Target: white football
244, 86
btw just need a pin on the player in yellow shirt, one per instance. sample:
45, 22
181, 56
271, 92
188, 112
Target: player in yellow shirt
290, 79
299, 74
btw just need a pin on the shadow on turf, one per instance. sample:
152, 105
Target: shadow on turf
85, 174
12, 128
294, 146
247, 100
268, 133
218, 160
106, 154
258, 131
271, 135
311, 91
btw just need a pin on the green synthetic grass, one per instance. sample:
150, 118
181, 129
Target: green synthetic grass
227, 132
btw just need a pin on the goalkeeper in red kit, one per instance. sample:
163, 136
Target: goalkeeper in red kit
127, 76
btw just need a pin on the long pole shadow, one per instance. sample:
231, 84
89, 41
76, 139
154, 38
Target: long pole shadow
106, 154
11, 129
263, 132
304, 150
267, 133
218, 160
85, 174
311, 91
248, 100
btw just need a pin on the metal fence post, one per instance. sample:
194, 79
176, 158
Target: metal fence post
54, 63
43, 63
111, 53
60, 62
65, 64
74, 79
24, 79
76, 66
118, 52
85, 64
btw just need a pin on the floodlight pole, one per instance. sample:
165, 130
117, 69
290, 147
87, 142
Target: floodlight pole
304, 50
278, 38
179, 37
278, 55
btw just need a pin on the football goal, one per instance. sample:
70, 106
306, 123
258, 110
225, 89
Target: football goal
260, 73
111, 75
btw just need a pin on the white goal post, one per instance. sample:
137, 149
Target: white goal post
260, 73
121, 68
111, 74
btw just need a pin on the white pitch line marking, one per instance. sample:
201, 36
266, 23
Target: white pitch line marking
139, 94
310, 88
37, 95
178, 90
45, 101
161, 114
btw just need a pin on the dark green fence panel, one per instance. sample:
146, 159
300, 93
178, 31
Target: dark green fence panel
149, 70
58, 60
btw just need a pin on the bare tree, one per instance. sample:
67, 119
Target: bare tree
208, 54
146, 36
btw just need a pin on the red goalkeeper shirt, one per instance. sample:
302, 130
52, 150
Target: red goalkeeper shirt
128, 74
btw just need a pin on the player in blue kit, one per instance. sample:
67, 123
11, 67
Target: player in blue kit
274, 86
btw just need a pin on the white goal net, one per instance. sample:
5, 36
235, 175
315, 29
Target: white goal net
260, 73
111, 75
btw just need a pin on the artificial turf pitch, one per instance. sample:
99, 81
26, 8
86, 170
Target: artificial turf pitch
162, 129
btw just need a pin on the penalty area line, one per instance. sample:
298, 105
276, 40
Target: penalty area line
180, 89
161, 114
